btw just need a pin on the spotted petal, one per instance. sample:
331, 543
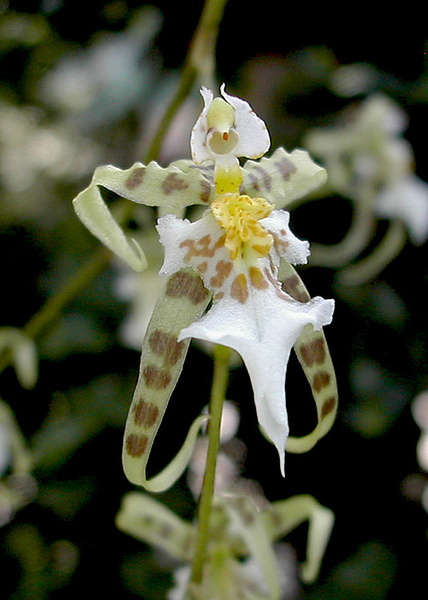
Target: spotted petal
152, 185
283, 178
250, 314
148, 520
183, 301
312, 351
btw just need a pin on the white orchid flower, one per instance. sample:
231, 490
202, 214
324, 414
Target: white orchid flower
231, 255
241, 557
236, 248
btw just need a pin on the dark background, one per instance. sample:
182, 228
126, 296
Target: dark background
280, 58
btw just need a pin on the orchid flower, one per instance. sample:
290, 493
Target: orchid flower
231, 255
370, 162
241, 558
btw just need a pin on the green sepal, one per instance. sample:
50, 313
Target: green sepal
184, 300
149, 521
313, 354
282, 178
96, 216
23, 354
286, 515
172, 187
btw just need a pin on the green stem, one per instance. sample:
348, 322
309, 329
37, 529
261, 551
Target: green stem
53, 307
200, 62
218, 393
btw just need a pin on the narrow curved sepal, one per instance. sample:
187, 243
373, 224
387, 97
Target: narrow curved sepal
96, 216
282, 178
152, 185
149, 521
184, 300
313, 354
284, 516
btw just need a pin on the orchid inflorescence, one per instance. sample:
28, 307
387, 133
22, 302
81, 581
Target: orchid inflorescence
230, 276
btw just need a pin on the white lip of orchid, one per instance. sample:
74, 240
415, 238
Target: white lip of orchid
250, 313
226, 129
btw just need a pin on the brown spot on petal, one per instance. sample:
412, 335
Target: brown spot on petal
223, 269
285, 167
136, 445
263, 177
173, 183
156, 378
293, 288
257, 278
145, 413
314, 352
206, 191
186, 285
328, 407
320, 380
135, 178
239, 288
166, 345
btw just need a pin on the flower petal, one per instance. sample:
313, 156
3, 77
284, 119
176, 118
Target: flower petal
253, 136
285, 515
263, 331
249, 525
283, 178
312, 351
147, 520
96, 216
184, 300
407, 199
254, 140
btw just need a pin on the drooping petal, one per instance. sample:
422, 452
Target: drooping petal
283, 177
263, 329
96, 216
152, 185
312, 351
285, 515
183, 301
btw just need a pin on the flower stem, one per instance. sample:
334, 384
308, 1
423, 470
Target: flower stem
200, 62
218, 393
53, 307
